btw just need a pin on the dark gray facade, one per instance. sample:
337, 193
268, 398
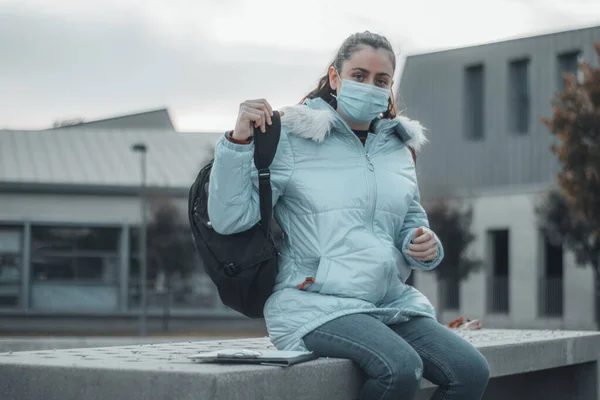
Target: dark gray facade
482, 106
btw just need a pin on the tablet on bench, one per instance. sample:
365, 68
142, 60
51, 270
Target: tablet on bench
263, 357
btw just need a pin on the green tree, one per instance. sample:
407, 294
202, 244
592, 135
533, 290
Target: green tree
572, 214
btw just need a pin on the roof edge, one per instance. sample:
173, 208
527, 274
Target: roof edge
501, 41
87, 189
117, 117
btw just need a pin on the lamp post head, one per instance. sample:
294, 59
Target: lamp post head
139, 147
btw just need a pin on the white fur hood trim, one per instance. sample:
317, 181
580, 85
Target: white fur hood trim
415, 130
307, 122
316, 124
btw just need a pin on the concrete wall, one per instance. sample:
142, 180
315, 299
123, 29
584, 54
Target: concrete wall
515, 211
72, 209
205, 323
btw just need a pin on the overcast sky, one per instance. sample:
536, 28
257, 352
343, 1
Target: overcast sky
200, 58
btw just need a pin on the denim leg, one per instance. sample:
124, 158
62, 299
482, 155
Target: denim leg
449, 361
392, 366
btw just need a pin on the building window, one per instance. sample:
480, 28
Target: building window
474, 102
450, 293
11, 265
518, 96
499, 280
74, 268
74, 254
551, 282
568, 63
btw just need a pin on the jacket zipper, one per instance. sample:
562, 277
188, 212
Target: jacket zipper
370, 178
371, 187
374, 202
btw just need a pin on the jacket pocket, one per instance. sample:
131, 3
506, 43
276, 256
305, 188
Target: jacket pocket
365, 282
320, 276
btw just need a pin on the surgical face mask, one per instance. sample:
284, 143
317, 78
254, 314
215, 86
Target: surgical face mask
361, 102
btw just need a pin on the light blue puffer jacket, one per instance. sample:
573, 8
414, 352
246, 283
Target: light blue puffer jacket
348, 213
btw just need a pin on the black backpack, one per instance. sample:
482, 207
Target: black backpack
243, 266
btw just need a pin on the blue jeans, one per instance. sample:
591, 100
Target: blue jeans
395, 357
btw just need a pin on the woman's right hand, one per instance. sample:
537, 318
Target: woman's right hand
252, 114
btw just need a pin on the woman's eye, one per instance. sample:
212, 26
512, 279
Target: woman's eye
359, 77
382, 83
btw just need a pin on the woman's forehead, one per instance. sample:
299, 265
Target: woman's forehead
372, 60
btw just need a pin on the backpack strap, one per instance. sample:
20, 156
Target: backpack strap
265, 147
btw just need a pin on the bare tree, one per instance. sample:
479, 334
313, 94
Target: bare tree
572, 214
451, 220
170, 248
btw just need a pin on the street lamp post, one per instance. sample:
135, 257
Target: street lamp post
143, 320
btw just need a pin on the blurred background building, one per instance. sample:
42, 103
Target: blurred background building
69, 226
482, 106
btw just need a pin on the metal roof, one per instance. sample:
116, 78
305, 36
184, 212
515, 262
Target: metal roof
507, 41
154, 119
101, 158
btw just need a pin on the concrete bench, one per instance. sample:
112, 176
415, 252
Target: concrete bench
524, 365
72, 342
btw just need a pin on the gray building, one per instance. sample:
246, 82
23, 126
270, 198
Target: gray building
69, 217
153, 120
482, 106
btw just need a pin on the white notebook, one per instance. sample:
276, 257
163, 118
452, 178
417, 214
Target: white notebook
246, 356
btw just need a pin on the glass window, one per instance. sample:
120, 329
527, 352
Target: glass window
74, 268
518, 99
11, 240
474, 102
553, 259
568, 63
52, 268
91, 268
75, 239
499, 241
11, 265
75, 253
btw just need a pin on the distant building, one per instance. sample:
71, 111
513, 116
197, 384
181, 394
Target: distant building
69, 217
482, 106
155, 120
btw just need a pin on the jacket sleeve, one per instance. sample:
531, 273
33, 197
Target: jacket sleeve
415, 218
233, 201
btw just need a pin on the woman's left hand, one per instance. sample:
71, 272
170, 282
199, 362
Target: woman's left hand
424, 245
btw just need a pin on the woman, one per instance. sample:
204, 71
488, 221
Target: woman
346, 197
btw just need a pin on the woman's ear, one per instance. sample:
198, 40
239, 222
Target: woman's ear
333, 78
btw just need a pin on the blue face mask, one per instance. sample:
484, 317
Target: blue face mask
361, 102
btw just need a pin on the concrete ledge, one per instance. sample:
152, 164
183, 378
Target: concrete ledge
542, 364
223, 323
55, 343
